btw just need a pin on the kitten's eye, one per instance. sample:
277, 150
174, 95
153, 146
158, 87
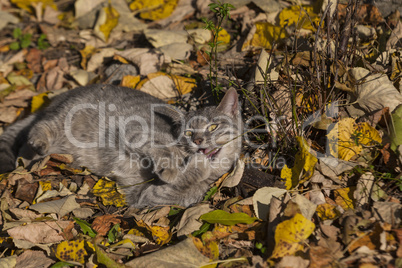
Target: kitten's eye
212, 127
188, 133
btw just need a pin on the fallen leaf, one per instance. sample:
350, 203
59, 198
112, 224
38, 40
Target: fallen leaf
262, 199
327, 212
264, 34
130, 81
40, 232
102, 224
72, 251
396, 128
154, 9
33, 259
303, 168
161, 235
160, 38
226, 218
344, 197
347, 138
108, 18
374, 91
106, 190
61, 207
189, 222
290, 236
39, 101
296, 14
184, 252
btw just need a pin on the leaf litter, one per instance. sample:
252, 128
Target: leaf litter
293, 64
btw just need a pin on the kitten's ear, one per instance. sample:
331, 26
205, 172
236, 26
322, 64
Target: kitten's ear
230, 103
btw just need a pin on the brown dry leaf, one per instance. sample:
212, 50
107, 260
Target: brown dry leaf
102, 224
26, 191
8, 114
366, 13
34, 58
40, 232
189, 222
371, 239
33, 259
184, 253
398, 233
147, 60
320, 257
61, 206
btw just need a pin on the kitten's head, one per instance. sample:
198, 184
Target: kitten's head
215, 131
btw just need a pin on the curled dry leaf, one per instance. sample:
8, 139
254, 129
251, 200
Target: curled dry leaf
102, 224
190, 220
374, 91
184, 254
61, 207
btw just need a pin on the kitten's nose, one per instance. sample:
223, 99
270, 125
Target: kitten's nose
198, 141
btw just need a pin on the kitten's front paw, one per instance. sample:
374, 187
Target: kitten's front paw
168, 175
40, 146
201, 165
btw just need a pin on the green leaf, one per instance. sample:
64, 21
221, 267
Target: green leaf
26, 40
226, 218
173, 211
113, 232
204, 227
42, 43
210, 193
15, 46
61, 264
85, 227
103, 258
17, 33
396, 128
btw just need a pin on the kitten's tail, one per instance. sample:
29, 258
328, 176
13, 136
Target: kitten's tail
11, 141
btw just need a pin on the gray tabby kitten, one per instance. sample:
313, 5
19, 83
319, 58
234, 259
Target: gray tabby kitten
158, 155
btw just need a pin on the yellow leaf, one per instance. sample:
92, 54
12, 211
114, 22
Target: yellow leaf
39, 101
327, 211
223, 36
107, 191
265, 36
183, 84
290, 235
154, 9
344, 197
303, 168
135, 232
86, 53
45, 185
112, 19
286, 174
347, 138
161, 235
209, 249
71, 251
130, 81
297, 15
28, 4
121, 59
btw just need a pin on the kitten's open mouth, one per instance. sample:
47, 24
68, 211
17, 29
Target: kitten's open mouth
210, 153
